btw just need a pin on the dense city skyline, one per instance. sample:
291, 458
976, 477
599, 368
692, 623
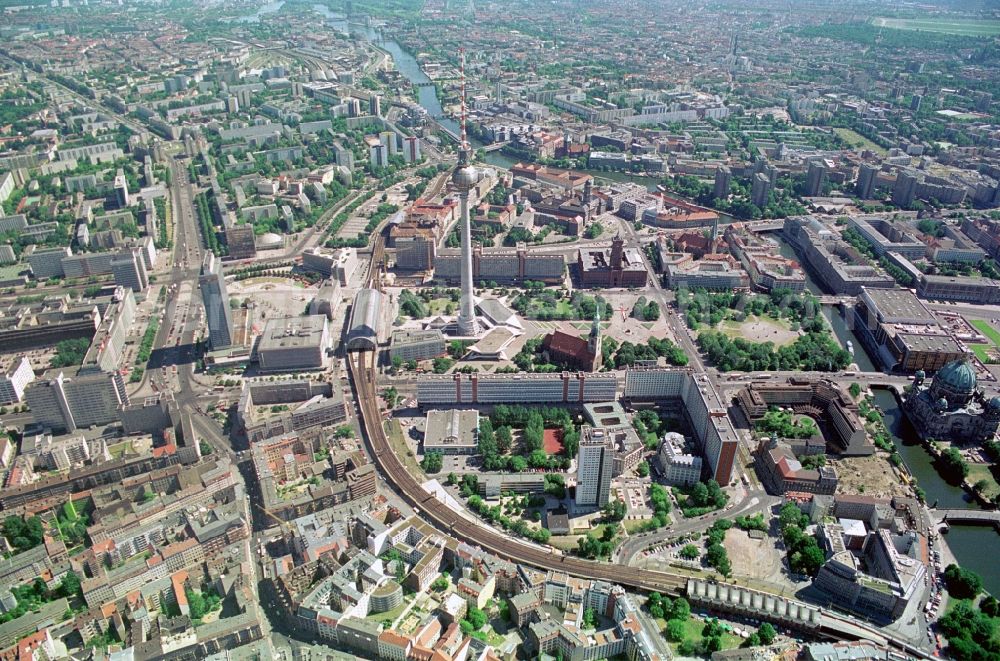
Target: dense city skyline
440, 330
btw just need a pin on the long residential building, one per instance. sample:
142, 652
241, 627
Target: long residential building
841, 268
69, 400
478, 388
501, 265
982, 291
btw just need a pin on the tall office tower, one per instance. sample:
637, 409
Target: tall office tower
389, 139
241, 241
464, 178
411, 149
905, 189
594, 464
814, 178
867, 174
915, 102
375, 105
378, 156
723, 179
760, 189
213, 294
121, 190
129, 270
353, 107
499, 94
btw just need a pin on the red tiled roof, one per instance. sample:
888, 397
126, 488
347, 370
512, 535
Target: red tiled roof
568, 346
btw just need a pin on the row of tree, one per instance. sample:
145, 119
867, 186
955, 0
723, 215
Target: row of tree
812, 352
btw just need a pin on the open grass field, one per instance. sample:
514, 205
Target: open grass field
760, 329
983, 472
958, 26
986, 329
981, 351
855, 139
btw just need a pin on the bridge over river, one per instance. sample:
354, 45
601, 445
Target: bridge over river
980, 517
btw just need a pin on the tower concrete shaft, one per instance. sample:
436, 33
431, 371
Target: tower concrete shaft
467, 305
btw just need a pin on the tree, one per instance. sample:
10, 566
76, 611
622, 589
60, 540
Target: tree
70, 584
953, 465
391, 396
433, 462
855, 390
476, 617
23, 534
504, 439
397, 362
767, 633
590, 619
962, 583
643, 469
675, 630
712, 644
689, 552
680, 610
614, 510
440, 583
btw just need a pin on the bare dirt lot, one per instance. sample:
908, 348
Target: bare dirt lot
871, 476
754, 558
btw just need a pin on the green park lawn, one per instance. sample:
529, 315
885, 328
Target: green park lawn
760, 329
983, 472
986, 329
855, 139
438, 305
692, 632
981, 351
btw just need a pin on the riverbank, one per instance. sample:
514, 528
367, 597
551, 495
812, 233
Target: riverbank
936, 451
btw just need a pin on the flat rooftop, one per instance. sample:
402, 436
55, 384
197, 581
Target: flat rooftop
600, 259
293, 333
935, 343
896, 305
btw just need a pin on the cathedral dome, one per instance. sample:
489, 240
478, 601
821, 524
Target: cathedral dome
957, 377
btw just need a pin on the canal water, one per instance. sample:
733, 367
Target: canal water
973, 546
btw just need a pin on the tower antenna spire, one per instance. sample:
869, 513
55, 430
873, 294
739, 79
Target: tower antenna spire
464, 146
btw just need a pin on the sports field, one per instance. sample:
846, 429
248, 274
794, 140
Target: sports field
959, 26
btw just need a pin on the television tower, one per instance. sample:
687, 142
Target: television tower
464, 178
